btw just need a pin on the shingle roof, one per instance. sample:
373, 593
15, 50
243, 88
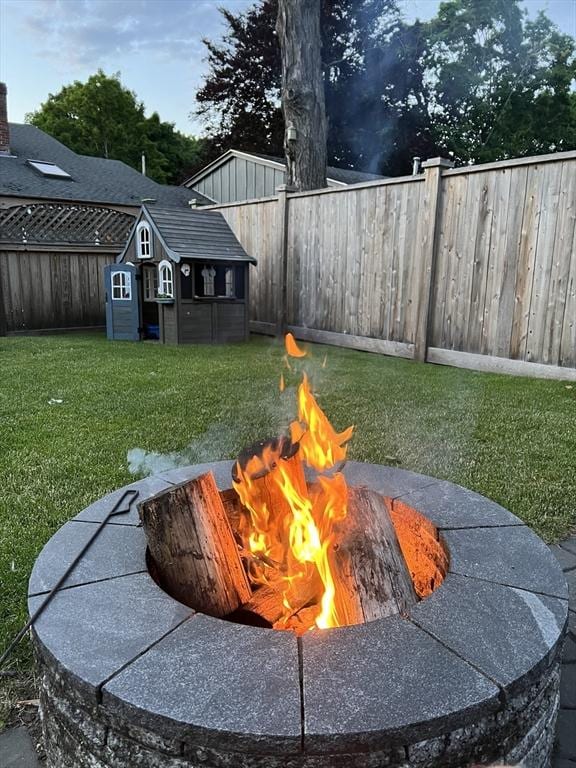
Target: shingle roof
196, 234
94, 179
345, 175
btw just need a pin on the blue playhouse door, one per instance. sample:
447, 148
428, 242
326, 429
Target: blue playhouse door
122, 302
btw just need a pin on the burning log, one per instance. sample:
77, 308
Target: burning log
193, 547
257, 462
370, 574
301, 621
266, 607
256, 476
262, 610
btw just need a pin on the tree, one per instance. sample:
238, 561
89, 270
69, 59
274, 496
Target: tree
378, 112
180, 154
298, 29
500, 85
102, 118
240, 98
478, 81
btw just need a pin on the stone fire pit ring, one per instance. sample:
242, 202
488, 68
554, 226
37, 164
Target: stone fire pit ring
131, 677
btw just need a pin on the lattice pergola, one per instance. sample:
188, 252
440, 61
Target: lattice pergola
64, 223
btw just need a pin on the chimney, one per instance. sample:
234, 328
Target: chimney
4, 129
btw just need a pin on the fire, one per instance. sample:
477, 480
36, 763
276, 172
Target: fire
291, 525
321, 446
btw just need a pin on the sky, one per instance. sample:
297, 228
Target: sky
156, 45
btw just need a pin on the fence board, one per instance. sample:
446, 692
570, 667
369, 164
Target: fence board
526, 257
544, 256
555, 315
508, 276
496, 259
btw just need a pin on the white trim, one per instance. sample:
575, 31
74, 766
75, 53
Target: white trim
150, 219
144, 226
125, 285
165, 264
145, 215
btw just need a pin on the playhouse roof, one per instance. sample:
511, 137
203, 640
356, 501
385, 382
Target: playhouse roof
195, 234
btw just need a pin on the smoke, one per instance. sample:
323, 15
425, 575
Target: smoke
218, 442
141, 462
273, 413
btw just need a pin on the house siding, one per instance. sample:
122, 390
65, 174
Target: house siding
241, 179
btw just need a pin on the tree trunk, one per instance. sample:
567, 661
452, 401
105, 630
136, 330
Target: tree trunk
298, 29
193, 547
371, 576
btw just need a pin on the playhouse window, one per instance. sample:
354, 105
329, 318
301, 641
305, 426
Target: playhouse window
208, 277
166, 279
150, 283
144, 241
121, 286
229, 281
219, 281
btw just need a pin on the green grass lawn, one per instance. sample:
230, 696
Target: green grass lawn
512, 439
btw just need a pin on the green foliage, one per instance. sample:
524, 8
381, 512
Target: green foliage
102, 118
240, 98
479, 81
500, 86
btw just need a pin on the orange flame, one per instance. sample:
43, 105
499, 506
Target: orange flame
291, 524
292, 348
321, 446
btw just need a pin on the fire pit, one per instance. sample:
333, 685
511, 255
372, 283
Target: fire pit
130, 676
290, 609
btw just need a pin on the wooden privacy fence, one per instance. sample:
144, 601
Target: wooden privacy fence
473, 267
41, 289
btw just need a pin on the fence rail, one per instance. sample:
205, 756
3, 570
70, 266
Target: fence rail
469, 266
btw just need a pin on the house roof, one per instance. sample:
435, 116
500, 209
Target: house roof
94, 179
343, 176
193, 234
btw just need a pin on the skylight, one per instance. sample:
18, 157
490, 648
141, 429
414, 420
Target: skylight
49, 169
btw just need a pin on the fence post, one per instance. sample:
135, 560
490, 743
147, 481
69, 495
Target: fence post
432, 203
282, 251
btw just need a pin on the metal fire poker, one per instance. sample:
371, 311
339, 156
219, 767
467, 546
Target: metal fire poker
122, 506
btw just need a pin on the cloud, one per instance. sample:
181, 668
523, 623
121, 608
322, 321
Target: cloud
89, 33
